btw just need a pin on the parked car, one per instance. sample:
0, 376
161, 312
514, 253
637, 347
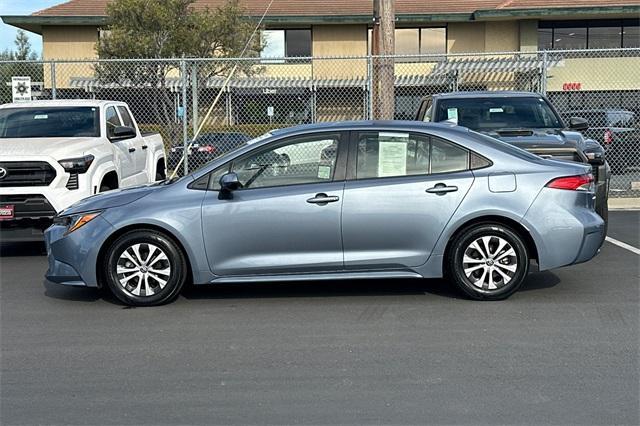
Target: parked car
55, 153
206, 147
394, 200
529, 121
617, 131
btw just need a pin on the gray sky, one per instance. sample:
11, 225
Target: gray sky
21, 7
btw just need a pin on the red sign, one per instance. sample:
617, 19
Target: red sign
6, 212
572, 86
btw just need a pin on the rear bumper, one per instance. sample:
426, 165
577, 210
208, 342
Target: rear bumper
565, 227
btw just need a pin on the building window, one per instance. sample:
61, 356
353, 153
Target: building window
631, 36
569, 38
417, 41
286, 43
601, 34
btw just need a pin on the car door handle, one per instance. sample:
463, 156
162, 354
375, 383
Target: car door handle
145, 146
132, 149
441, 188
322, 199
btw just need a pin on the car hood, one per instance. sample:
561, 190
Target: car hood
115, 198
531, 139
45, 146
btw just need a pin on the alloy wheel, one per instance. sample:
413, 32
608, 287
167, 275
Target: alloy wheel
143, 269
490, 262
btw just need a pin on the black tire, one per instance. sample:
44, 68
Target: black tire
159, 295
104, 188
160, 172
462, 242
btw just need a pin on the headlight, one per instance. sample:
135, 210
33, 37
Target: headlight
75, 221
77, 165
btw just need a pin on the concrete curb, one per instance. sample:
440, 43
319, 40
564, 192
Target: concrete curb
624, 203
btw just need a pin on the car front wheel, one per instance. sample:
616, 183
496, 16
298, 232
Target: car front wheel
145, 268
488, 261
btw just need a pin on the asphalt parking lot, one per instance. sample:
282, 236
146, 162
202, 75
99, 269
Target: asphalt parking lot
564, 350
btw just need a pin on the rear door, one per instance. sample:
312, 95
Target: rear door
401, 191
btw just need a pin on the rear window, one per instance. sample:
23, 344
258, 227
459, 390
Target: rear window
486, 114
49, 122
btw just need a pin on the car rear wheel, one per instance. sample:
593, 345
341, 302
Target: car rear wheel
488, 261
145, 268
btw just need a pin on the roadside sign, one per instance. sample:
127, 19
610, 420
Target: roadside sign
270, 111
21, 89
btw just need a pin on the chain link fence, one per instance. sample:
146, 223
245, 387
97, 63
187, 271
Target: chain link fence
174, 96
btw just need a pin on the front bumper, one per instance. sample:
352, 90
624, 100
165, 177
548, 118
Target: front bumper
73, 257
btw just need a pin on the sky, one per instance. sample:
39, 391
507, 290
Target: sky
21, 7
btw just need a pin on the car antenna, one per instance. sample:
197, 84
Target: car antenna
222, 89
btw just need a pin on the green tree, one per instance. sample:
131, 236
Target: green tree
11, 65
23, 47
171, 29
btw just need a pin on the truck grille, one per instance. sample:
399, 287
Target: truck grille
32, 206
26, 173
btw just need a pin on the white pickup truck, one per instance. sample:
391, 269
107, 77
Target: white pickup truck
54, 153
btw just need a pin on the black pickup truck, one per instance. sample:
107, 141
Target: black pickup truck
527, 120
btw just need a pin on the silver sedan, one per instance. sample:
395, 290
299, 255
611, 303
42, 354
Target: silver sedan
337, 201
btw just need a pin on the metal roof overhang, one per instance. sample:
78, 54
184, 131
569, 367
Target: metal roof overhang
90, 84
34, 23
581, 12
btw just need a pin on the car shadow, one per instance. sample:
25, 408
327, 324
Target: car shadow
302, 289
337, 288
540, 281
19, 249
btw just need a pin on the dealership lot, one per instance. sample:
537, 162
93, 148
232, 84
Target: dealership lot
562, 350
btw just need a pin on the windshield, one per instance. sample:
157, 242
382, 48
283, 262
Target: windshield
486, 114
49, 122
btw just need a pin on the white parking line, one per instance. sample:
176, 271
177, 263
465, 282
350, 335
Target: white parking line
625, 246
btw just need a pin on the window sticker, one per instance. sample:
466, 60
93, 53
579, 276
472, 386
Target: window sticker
392, 154
41, 117
452, 115
324, 172
496, 110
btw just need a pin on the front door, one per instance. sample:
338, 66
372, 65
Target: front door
124, 149
404, 189
286, 217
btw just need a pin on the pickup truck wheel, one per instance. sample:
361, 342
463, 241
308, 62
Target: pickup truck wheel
145, 268
488, 261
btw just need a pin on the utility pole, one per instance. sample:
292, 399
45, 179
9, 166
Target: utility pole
382, 48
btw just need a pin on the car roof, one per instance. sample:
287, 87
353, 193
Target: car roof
486, 94
63, 103
370, 124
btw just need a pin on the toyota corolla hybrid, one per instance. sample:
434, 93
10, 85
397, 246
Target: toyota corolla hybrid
371, 200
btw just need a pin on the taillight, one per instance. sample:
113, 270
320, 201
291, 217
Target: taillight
573, 183
206, 148
608, 137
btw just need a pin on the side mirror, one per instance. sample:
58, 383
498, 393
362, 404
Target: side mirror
578, 123
229, 182
122, 132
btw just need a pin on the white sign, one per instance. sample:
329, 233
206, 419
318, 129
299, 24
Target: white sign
392, 154
21, 89
270, 111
